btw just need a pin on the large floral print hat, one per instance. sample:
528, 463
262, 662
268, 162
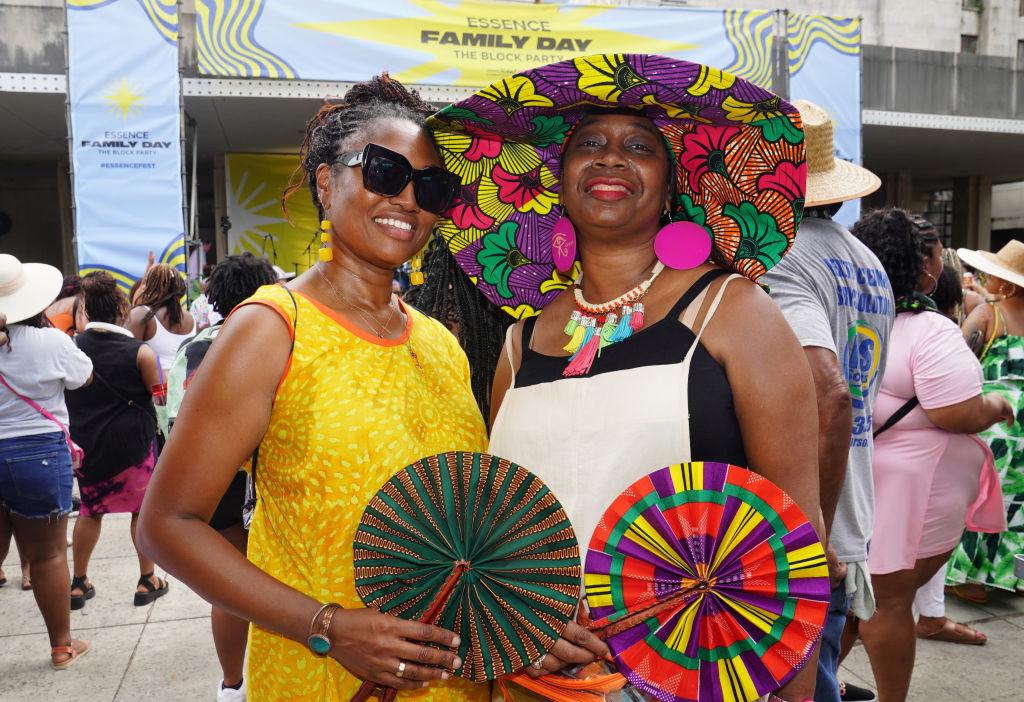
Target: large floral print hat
738, 152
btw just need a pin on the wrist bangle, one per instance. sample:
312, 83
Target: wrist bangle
317, 641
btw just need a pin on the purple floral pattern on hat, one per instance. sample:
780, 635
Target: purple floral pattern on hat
738, 152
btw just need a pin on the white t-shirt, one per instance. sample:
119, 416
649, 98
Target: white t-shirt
40, 364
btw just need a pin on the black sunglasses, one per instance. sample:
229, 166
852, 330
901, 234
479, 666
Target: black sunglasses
387, 173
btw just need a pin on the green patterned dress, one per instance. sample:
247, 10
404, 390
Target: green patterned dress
988, 558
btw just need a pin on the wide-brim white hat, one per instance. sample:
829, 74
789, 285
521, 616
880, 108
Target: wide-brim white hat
26, 289
829, 179
1007, 264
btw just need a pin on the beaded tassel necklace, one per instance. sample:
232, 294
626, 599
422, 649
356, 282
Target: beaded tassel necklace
593, 327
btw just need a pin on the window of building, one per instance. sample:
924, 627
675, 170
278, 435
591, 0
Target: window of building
1020, 9
969, 43
1020, 52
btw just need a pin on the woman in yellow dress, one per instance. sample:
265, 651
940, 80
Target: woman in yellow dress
340, 385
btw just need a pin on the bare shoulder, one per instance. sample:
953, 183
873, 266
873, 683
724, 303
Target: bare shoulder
747, 323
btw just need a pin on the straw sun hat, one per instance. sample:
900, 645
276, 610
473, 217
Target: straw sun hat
1007, 264
829, 179
26, 289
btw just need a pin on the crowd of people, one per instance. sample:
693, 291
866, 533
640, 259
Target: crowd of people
881, 394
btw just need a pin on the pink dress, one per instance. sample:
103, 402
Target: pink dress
925, 477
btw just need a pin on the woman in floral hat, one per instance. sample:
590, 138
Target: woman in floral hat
634, 199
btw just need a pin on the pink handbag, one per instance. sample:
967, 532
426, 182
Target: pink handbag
77, 454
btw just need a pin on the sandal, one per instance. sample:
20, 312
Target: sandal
72, 654
26, 583
152, 591
88, 591
968, 592
3, 577
953, 632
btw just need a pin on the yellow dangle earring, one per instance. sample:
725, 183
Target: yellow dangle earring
325, 252
416, 276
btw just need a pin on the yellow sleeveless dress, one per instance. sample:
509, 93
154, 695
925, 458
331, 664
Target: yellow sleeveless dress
351, 411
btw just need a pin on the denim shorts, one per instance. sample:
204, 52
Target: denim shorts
35, 476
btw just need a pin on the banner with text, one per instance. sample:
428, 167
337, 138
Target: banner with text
824, 67
472, 43
126, 134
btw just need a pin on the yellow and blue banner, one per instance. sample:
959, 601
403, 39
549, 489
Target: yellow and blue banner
125, 93
258, 224
463, 43
824, 67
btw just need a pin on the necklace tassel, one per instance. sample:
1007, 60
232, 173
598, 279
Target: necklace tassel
623, 330
574, 321
608, 330
580, 335
580, 362
636, 322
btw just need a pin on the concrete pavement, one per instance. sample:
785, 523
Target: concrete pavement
165, 651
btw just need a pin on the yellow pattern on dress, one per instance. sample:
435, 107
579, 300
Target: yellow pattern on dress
351, 412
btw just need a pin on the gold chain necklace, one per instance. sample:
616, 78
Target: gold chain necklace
376, 326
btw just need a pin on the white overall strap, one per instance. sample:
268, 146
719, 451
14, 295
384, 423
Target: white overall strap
508, 352
685, 370
690, 314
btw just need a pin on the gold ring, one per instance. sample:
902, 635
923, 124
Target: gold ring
401, 669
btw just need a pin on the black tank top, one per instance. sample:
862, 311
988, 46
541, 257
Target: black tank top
714, 429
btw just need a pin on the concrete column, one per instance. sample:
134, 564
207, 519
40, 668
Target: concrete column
899, 190
220, 208
972, 212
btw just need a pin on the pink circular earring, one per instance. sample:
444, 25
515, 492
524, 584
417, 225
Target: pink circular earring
682, 245
563, 244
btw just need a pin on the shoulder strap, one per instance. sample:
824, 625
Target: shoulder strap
116, 393
995, 330
896, 416
36, 406
694, 290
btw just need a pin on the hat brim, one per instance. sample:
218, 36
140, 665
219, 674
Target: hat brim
844, 181
41, 286
738, 155
989, 263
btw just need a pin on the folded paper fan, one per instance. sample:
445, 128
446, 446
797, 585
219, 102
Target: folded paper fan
708, 584
476, 544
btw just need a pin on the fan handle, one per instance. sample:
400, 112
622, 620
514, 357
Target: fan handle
387, 694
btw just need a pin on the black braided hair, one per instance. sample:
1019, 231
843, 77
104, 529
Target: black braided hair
236, 278
891, 235
104, 300
448, 295
927, 233
380, 98
162, 287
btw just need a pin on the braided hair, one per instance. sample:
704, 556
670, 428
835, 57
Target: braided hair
236, 278
104, 300
380, 98
892, 236
162, 287
448, 295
